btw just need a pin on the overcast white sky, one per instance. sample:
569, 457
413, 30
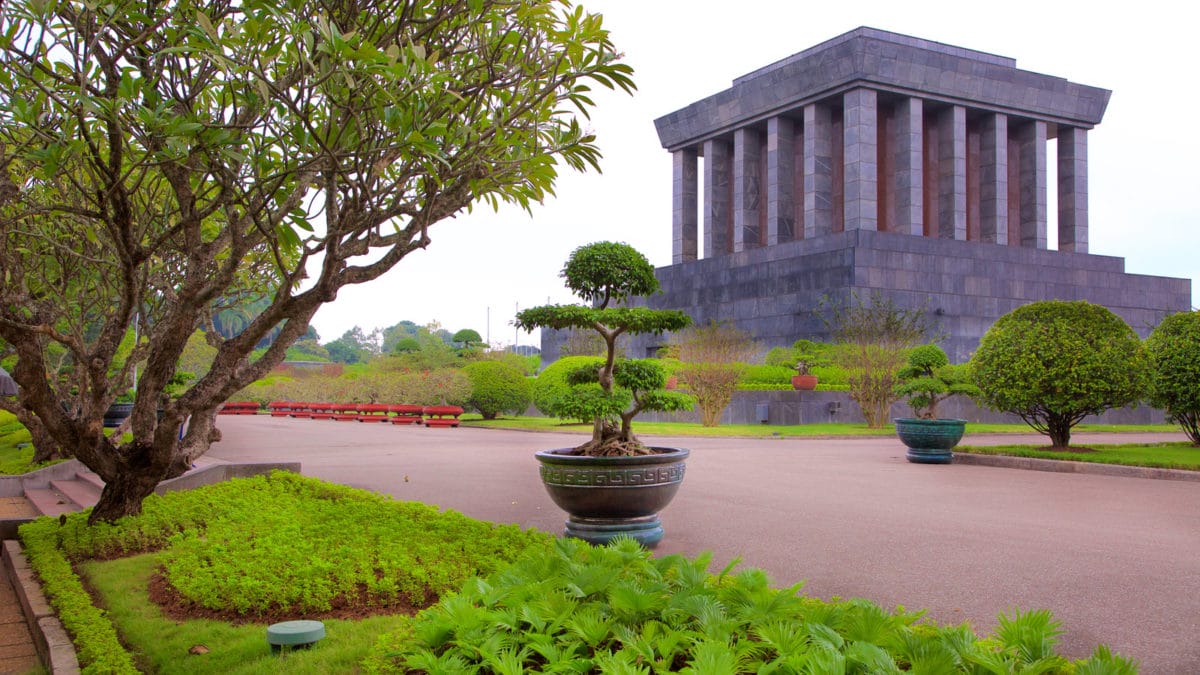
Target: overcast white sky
1143, 157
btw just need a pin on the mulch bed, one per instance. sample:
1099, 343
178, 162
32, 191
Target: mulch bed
179, 608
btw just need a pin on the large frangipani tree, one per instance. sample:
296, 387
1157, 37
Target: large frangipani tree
163, 158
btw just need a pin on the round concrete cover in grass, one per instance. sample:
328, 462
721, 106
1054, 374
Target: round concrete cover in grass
295, 632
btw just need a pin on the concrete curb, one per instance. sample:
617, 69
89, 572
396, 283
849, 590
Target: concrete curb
1068, 466
53, 645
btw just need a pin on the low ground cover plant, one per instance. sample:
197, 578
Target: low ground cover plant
266, 548
616, 609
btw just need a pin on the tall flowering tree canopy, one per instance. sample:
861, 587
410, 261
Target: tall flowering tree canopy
162, 160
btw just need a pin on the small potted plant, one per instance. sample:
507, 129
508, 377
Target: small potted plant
613, 484
803, 380
926, 380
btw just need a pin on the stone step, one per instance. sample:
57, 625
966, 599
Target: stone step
50, 502
86, 476
82, 493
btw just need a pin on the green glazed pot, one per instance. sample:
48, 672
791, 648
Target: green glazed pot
605, 497
930, 441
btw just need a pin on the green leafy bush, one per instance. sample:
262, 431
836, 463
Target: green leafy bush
1054, 362
497, 387
767, 374
616, 609
552, 393
1174, 349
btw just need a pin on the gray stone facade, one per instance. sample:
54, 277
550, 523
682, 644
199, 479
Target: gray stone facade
882, 162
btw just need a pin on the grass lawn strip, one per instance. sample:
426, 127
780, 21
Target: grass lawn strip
1180, 455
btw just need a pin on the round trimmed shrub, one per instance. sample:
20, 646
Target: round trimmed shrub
497, 387
552, 392
1174, 349
1055, 362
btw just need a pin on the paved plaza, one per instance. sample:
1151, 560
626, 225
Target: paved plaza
1116, 559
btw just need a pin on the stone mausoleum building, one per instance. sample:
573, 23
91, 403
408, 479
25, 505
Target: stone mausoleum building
878, 161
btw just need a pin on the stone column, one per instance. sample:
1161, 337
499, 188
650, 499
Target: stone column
909, 178
781, 200
1032, 140
818, 171
718, 225
684, 225
747, 184
993, 179
952, 173
1072, 190
860, 150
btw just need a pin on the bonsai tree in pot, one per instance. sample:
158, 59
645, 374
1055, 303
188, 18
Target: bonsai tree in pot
926, 380
593, 481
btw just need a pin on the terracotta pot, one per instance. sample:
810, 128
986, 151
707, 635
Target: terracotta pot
609, 496
804, 382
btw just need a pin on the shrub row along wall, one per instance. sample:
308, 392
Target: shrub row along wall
815, 407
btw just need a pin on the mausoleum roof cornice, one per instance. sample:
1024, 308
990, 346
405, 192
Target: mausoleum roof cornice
889, 62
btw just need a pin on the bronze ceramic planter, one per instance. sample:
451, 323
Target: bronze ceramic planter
605, 497
930, 441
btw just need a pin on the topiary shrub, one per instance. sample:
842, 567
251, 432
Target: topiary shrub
1054, 362
929, 378
497, 387
603, 273
552, 394
1174, 350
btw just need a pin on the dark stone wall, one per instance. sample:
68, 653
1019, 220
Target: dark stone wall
774, 292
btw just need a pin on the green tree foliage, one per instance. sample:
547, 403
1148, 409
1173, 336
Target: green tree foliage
1054, 362
497, 387
406, 345
601, 273
1174, 349
929, 378
713, 357
355, 346
158, 157
873, 336
467, 337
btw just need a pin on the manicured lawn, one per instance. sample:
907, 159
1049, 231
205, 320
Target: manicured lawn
765, 430
165, 645
1162, 455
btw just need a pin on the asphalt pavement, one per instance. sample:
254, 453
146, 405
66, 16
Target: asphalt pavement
1116, 559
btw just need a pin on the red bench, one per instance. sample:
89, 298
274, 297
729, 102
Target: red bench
321, 411
238, 408
346, 412
373, 412
300, 410
280, 408
405, 414
442, 415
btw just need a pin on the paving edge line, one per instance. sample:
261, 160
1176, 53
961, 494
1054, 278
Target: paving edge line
1068, 466
54, 646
